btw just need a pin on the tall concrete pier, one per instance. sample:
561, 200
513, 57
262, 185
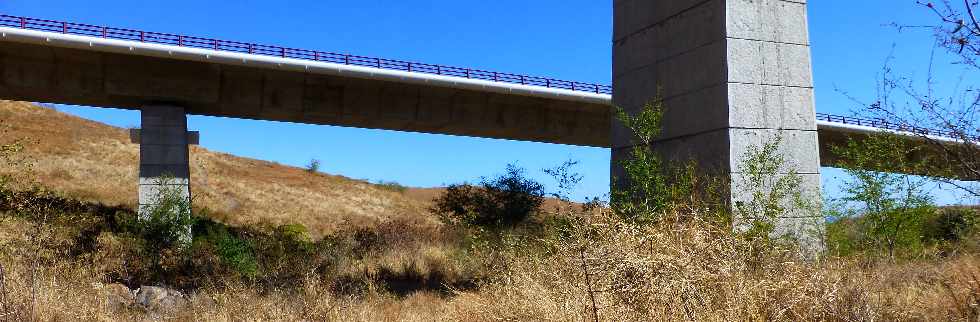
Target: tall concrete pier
733, 73
164, 154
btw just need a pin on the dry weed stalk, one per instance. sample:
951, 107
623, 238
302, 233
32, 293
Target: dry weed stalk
3, 293
35, 239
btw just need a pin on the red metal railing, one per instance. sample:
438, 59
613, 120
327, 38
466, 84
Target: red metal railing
305, 54
882, 124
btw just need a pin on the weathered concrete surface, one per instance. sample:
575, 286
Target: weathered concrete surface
35, 72
164, 155
733, 74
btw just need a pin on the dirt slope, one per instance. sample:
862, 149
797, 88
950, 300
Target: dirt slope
96, 162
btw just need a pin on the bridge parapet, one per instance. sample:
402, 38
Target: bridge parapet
886, 125
294, 53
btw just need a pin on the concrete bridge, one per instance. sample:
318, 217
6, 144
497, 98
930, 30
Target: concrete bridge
733, 73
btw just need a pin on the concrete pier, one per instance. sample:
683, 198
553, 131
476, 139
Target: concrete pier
733, 73
164, 154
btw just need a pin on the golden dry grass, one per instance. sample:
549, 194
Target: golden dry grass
92, 161
691, 271
686, 272
678, 270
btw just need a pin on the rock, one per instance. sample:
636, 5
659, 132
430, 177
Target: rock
119, 296
160, 299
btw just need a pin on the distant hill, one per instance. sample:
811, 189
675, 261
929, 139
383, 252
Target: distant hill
96, 162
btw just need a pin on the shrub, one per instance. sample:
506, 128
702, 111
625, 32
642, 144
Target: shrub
769, 189
951, 224
168, 222
392, 186
640, 195
285, 255
233, 252
121, 258
313, 166
496, 204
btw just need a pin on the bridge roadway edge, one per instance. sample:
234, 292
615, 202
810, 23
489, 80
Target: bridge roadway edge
34, 69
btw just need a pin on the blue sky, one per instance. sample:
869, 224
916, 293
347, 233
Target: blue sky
566, 39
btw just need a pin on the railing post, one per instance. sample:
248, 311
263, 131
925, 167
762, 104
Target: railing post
216, 46
282, 52
495, 77
347, 59
23, 23
251, 48
547, 83
409, 67
597, 88
105, 32
316, 56
438, 69
523, 82
64, 27
142, 36
180, 40
467, 73
378, 62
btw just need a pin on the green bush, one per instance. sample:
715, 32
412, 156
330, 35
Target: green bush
769, 189
647, 188
951, 225
168, 223
392, 186
233, 252
285, 255
888, 206
496, 204
641, 193
313, 166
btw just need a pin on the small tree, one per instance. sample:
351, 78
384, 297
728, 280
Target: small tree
770, 188
648, 188
641, 193
565, 179
893, 204
496, 204
313, 166
926, 108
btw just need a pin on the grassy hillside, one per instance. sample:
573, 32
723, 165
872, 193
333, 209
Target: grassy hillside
376, 254
92, 161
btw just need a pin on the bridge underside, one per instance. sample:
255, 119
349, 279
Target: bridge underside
939, 154
35, 72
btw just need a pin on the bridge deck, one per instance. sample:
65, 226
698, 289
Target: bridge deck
71, 63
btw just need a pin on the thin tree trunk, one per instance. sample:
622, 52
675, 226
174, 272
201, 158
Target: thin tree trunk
3, 292
588, 285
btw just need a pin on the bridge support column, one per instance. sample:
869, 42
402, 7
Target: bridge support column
164, 155
734, 74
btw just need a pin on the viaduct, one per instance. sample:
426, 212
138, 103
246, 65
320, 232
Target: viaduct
733, 74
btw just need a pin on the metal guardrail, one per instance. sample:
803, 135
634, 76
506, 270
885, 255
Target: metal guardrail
284, 52
882, 124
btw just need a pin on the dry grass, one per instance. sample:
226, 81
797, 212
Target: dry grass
687, 272
691, 271
677, 270
96, 162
